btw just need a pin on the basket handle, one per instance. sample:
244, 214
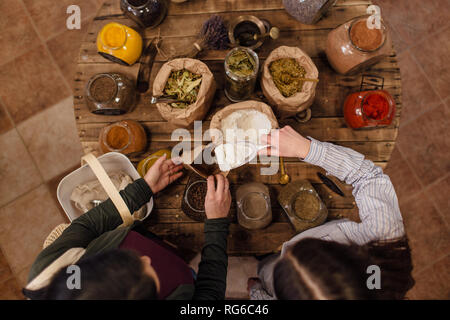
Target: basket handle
109, 187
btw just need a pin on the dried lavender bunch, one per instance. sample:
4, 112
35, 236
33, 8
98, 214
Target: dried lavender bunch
215, 33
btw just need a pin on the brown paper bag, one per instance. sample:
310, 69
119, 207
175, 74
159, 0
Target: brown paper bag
287, 107
196, 111
216, 121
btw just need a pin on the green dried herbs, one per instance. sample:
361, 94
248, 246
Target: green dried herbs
241, 63
183, 85
288, 75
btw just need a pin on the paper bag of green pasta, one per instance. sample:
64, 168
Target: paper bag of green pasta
289, 79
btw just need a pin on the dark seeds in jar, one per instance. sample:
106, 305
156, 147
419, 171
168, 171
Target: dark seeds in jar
103, 89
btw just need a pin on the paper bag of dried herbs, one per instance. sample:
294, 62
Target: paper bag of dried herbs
187, 80
287, 80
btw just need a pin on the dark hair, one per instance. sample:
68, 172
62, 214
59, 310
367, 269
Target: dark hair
113, 275
319, 269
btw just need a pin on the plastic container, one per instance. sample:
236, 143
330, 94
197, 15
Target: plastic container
111, 162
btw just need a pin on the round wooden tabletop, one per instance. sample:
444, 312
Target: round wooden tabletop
178, 31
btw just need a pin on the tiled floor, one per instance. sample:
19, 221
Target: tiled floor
39, 142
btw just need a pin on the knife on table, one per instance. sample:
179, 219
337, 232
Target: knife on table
330, 184
145, 69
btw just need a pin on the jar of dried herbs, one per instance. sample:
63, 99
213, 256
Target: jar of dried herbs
253, 206
302, 204
241, 71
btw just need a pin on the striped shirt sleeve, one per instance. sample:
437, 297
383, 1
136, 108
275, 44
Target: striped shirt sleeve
373, 191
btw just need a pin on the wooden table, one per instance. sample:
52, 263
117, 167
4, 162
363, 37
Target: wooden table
179, 31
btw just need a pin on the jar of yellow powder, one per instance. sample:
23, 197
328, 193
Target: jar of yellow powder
119, 43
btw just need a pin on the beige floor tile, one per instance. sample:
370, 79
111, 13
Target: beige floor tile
52, 139
418, 96
31, 83
433, 55
429, 236
236, 279
425, 144
440, 194
18, 174
25, 224
11, 290
5, 122
17, 32
22, 276
65, 48
50, 16
433, 282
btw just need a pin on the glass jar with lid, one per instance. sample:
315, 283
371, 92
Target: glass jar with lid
110, 94
146, 13
372, 108
193, 202
127, 137
357, 44
302, 204
241, 70
254, 210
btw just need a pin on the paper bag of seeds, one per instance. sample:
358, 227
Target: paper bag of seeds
294, 102
196, 86
216, 121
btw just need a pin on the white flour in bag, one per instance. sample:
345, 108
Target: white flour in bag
245, 125
241, 125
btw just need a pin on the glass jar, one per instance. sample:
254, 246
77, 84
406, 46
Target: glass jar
253, 206
146, 13
145, 164
365, 109
127, 137
302, 204
353, 47
110, 94
193, 203
239, 87
119, 43
307, 11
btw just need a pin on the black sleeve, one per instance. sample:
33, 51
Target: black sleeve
212, 273
92, 224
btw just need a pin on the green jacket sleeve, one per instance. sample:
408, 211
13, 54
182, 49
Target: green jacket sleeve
212, 272
92, 224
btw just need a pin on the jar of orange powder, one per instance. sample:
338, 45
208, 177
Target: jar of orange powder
127, 137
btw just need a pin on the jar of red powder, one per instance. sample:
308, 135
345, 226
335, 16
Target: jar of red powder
365, 109
356, 45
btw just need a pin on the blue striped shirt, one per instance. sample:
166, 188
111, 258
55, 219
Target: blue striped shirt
374, 194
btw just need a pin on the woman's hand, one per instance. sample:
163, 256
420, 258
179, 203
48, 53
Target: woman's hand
218, 198
286, 142
162, 173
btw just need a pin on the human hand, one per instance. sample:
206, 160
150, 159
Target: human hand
218, 198
162, 173
285, 142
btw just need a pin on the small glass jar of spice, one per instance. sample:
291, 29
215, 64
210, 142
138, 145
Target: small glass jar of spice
146, 13
365, 109
110, 94
127, 137
193, 202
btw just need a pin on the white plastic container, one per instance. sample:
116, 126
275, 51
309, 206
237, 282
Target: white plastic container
111, 162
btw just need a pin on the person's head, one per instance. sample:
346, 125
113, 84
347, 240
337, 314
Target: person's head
318, 269
113, 275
